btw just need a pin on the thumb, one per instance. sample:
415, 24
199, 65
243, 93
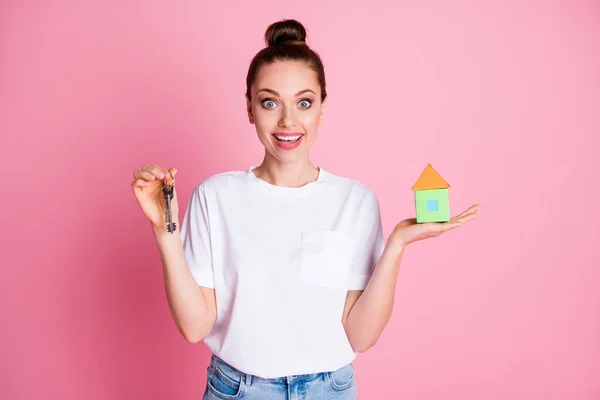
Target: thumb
173, 173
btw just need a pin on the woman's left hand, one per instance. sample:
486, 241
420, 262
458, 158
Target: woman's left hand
409, 231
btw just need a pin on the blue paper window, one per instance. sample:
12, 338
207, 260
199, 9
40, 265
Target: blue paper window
432, 205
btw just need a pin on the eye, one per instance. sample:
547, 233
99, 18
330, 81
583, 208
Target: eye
306, 103
269, 103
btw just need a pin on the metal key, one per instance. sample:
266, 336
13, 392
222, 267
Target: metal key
167, 192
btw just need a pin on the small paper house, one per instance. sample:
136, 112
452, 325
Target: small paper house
431, 197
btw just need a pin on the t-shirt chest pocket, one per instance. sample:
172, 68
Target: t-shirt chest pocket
325, 258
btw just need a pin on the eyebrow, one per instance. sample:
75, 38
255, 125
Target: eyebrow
277, 94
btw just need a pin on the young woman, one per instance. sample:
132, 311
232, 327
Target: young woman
282, 269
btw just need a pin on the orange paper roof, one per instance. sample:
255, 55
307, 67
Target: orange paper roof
430, 179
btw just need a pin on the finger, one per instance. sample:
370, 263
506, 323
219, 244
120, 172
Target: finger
143, 175
462, 221
155, 170
139, 183
171, 175
471, 210
446, 227
467, 217
453, 225
459, 215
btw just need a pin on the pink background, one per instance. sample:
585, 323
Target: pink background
503, 99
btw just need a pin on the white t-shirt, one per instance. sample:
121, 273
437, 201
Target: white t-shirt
281, 261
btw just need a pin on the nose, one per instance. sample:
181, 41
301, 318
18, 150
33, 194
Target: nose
287, 118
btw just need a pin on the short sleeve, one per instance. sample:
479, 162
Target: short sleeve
195, 237
369, 243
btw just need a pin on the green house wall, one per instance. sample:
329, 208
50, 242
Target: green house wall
443, 212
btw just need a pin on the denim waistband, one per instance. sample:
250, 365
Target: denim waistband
248, 378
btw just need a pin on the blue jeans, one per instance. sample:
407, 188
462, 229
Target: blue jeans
227, 383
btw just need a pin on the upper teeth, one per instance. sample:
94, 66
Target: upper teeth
291, 138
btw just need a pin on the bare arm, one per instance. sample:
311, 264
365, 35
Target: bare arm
193, 307
366, 313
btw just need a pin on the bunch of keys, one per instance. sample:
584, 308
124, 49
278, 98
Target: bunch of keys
167, 192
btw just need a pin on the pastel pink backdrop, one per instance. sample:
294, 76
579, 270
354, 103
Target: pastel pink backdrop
502, 98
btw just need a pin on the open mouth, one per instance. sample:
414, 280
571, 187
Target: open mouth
288, 138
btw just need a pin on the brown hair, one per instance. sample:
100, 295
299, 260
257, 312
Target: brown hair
286, 40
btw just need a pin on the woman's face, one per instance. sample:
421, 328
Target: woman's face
286, 108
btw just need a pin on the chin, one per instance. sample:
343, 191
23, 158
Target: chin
287, 158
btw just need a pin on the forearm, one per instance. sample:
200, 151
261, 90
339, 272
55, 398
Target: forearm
371, 312
186, 302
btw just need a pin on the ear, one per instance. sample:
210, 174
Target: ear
249, 109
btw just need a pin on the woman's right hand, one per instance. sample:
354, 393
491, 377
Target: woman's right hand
147, 187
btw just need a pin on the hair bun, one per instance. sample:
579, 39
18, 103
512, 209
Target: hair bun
288, 31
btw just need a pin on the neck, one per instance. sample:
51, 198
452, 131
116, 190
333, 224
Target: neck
288, 175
